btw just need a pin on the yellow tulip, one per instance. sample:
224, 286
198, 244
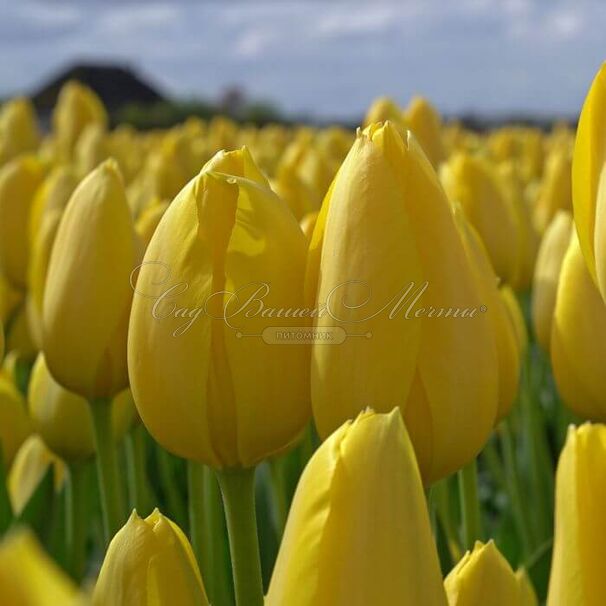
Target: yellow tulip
358, 532
14, 422
19, 180
588, 197
47, 209
555, 193
385, 232
91, 149
424, 121
225, 231
483, 576
578, 338
88, 293
472, 182
300, 197
547, 275
1, 341
505, 335
528, 239
579, 550
149, 562
63, 419
383, 109
32, 462
77, 107
528, 597
148, 221
18, 129
29, 577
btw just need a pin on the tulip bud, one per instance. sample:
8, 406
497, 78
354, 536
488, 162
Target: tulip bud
384, 254
14, 422
528, 240
63, 418
226, 232
149, 562
77, 107
383, 109
424, 121
88, 293
47, 208
91, 149
504, 332
471, 181
32, 462
148, 221
483, 577
587, 180
547, 275
579, 549
29, 577
556, 190
578, 338
355, 536
18, 129
19, 180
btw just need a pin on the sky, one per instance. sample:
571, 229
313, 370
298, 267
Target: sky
323, 59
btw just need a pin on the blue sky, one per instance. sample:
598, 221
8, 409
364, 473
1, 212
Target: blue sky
326, 59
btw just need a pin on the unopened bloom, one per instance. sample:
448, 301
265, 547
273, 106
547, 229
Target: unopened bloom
18, 128
578, 338
224, 237
579, 550
19, 180
473, 182
388, 264
424, 121
588, 196
358, 531
149, 562
88, 293
483, 576
547, 275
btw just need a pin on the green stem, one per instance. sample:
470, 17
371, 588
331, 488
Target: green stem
207, 531
110, 487
278, 489
470, 505
195, 493
136, 461
238, 491
170, 488
76, 518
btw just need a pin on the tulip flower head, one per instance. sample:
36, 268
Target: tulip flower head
384, 253
226, 232
88, 293
483, 576
579, 550
578, 338
358, 531
149, 562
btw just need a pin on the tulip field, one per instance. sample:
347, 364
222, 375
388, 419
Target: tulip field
295, 365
